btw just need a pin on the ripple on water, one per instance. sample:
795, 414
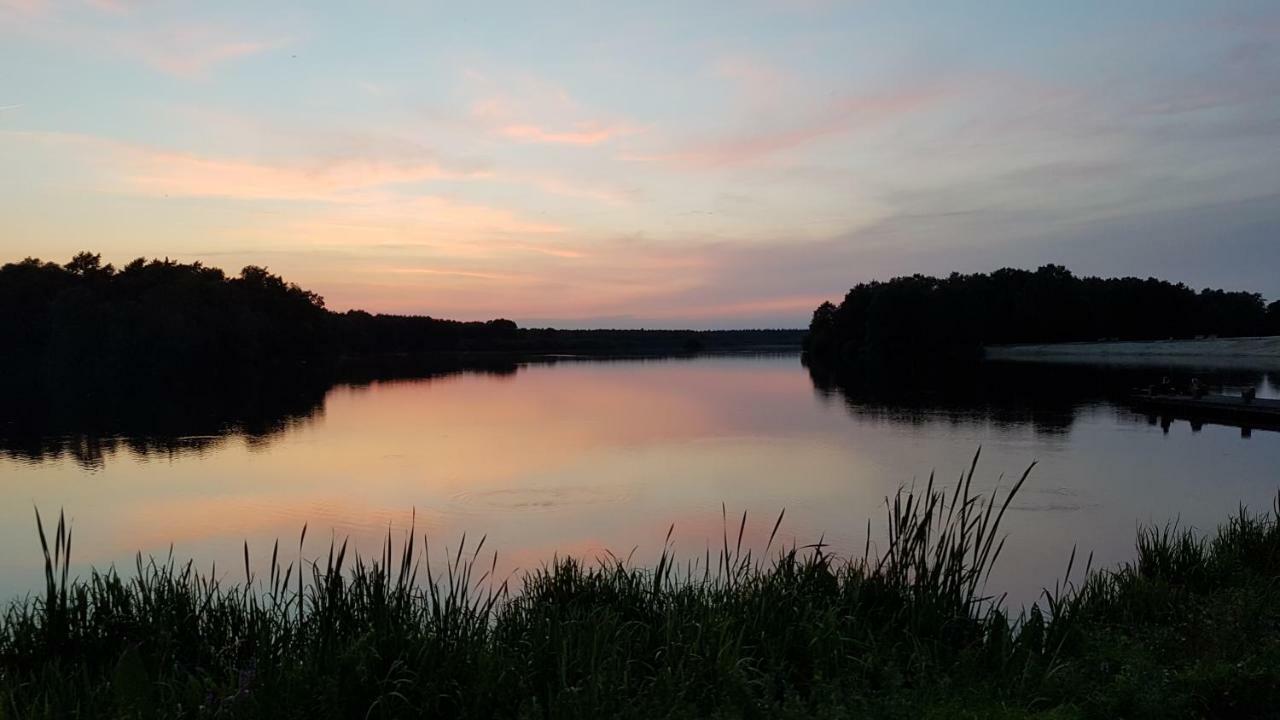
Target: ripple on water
537, 499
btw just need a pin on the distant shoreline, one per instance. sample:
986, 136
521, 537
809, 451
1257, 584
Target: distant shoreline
1256, 353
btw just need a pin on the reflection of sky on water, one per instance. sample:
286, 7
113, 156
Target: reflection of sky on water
582, 457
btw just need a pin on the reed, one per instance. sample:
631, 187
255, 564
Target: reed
1190, 628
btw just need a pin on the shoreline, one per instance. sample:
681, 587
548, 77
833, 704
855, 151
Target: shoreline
1243, 353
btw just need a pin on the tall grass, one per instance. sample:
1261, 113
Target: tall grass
416, 632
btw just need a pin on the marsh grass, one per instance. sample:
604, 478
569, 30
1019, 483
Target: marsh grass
1190, 628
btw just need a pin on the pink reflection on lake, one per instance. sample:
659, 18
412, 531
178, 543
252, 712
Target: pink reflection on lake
581, 458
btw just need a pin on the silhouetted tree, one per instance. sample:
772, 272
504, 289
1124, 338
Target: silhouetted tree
154, 319
86, 264
922, 319
161, 320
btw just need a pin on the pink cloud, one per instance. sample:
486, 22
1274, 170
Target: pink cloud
552, 251
24, 8
537, 111
758, 82
188, 50
150, 171
469, 274
117, 7
182, 174
191, 51
440, 227
836, 118
558, 186
490, 109
582, 134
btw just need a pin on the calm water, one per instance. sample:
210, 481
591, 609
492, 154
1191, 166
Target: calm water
583, 457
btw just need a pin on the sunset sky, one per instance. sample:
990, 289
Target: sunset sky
643, 163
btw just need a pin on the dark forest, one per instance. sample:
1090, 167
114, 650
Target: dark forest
922, 319
160, 320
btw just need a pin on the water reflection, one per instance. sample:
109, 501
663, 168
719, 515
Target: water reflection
41, 424
571, 456
44, 424
1045, 397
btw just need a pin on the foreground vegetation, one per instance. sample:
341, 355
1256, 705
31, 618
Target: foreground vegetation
1191, 628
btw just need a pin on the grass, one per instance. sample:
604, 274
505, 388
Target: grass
1190, 628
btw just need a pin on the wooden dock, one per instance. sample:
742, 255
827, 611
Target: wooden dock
1229, 409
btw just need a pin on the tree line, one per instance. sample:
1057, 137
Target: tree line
918, 319
160, 319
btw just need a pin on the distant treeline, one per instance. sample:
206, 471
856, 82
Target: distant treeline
158, 319
919, 318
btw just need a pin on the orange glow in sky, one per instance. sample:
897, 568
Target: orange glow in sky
724, 165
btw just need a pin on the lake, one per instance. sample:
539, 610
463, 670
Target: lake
581, 457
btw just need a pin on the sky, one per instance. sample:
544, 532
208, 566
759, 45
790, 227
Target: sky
628, 164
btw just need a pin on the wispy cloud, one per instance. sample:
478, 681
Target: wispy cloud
834, 118
554, 185
799, 153
532, 110
440, 226
758, 82
116, 7
557, 252
584, 133
182, 174
190, 51
24, 8
150, 171
471, 274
